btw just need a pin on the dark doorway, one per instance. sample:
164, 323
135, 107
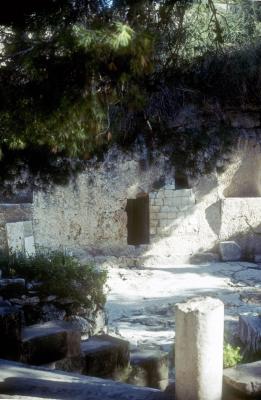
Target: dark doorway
138, 220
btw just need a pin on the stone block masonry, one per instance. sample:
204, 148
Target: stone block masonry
166, 205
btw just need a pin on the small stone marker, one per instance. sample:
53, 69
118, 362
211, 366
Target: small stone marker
199, 349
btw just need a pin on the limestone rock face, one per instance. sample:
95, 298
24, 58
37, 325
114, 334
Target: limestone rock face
230, 251
54, 340
246, 378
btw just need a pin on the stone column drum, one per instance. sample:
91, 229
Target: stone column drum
199, 349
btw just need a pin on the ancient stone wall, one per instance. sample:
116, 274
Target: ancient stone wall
90, 215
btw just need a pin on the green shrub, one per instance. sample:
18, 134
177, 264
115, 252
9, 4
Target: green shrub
231, 356
61, 275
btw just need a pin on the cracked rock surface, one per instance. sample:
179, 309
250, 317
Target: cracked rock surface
141, 301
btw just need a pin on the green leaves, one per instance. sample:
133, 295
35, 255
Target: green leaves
61, 275
232, 355
122, 37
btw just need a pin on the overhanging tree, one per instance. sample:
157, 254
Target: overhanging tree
71, 70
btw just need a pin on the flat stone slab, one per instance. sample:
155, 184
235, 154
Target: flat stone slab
51, 341
105, 355
230, 251
31, 382
245, 378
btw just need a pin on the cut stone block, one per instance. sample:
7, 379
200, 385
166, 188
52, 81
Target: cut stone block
28, 228
230, 251
15, 237
12, 287
245, 378
250, 332
20, 237
105, 355
19, 380
51, 341
150, 368
10, 332
29, 246
183, 193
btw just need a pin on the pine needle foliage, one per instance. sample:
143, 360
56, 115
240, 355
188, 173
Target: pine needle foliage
76, 75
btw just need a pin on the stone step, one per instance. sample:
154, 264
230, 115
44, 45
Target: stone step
149, 368
105, 356
19, 380
102, 356
245, 378
53, 340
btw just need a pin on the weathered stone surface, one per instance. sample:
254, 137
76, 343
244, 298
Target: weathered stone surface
199, 349
105, 355
257, 258
149, 368
15, 237
54, 340
246, 378
19, 380
230, 251
250, 332
50, 312
10, 332
204, 258
29, 246
69, 364
81, 324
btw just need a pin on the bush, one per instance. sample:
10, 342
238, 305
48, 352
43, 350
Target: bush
61, 275
231, 355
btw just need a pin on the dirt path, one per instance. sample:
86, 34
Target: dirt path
141, 301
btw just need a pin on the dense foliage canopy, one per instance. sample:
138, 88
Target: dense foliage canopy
76, 75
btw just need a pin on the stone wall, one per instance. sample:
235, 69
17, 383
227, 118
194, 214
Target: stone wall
89, 215
11, 213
